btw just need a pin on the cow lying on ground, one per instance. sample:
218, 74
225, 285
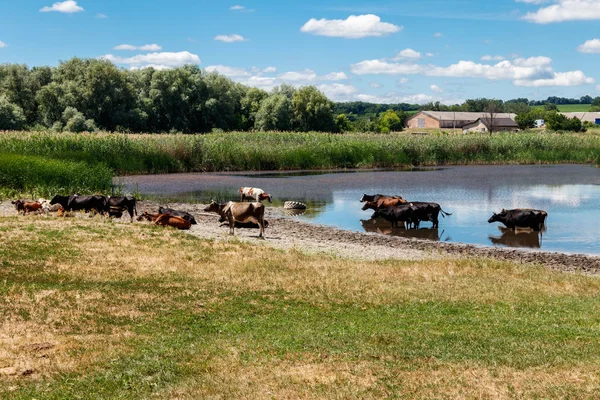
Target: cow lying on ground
376, 197
46, 207
401, 213
116, 205
254, 194
95, 203
27, 206
383, 202
240, 212
185, 215
521, 218
166, 220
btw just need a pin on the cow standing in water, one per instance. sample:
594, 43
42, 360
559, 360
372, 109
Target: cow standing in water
254, 194
521, 218
240, 212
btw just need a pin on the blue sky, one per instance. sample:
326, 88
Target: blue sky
379, 51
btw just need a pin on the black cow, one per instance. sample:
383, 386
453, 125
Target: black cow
115, 205
521, 218
77, 203
427, 212
400, 213
175, 213
374, 198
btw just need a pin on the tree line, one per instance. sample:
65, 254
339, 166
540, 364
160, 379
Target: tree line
90, 94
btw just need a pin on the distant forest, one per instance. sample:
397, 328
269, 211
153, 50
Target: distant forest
89, 94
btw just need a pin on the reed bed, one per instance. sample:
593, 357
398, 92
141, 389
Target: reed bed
242, 151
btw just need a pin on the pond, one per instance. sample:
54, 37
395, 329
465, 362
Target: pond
569, 193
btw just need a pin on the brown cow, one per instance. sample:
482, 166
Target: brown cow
255, 194
27, 206
166, 220
240, 212
383, 203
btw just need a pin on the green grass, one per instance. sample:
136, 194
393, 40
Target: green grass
133, 311
572, 107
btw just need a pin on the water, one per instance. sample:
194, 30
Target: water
569, 193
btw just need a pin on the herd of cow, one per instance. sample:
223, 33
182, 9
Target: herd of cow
395, 209
251, 214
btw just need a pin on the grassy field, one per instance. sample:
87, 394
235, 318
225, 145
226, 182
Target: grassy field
93, 310
572, 107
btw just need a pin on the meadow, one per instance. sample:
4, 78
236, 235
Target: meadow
94, 309
236, 151
572, 107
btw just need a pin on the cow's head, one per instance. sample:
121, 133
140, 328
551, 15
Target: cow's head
363, 198
213, 207
497, 217
19, 204
145, 216
265, 196
369, 205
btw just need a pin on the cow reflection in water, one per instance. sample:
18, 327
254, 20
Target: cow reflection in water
518, 238
381, 226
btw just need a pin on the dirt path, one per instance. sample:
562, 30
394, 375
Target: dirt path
287, 233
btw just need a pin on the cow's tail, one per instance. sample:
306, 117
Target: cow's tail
444, 213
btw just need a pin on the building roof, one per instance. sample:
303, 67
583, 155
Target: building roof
462, 116
583, 116
499, 122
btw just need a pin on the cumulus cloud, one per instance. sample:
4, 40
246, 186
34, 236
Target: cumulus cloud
335, 76
146, 47
354, 27
403, 81
231, 72
237, 8
533, 71
230, 38
590, 46
408, 54
2, 44
163, 59
67, 7
298, 76
436, 89
269, 70
492, 58
566, 10
338, 91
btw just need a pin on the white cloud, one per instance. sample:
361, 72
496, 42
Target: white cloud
237, 8
335, 76
590, 46
269, 70
157, 67
337, 91
164, 59
231, 72
2, 44
354, 27
101, 16
409, 54
532, 1
566, 10
436, 89
67, 7
429, 55
393, 99
146, 47
302, 76
376, 85
403, 81
571, 78
437, 34
492, 58
230, 38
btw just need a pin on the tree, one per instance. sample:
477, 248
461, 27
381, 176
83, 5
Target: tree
560, 122
250, 105
274, 114
74, 121
493, 109
389, 121
596, 102
343, 124
312, 110
516, 107
11, 115
550, 107
525, 120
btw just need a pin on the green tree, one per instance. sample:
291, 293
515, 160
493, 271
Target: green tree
250, 105
74, 121
596, 102
275, 113
560, 122
11, 115
343, 124
312, 110
525, 120
389, 121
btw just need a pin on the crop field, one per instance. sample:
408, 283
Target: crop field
94, 309
572, 107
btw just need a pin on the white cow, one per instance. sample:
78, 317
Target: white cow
255, 194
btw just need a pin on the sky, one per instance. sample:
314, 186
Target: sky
379, 51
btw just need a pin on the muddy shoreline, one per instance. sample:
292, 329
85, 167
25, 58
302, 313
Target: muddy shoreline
287, 233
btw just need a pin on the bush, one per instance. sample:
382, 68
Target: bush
11, 115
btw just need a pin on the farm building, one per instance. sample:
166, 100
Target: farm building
593, 117
484, 125
449, 119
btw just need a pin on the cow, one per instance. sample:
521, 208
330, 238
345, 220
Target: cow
255, 194
27, 206
376, 197
240, 212
399, 213
46, 207
115, 205
219, 209
166, 220
77, 203
185, 215
383, 202
521, 218
428, 212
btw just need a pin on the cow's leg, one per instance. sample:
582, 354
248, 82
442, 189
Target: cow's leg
261, 224
231, 221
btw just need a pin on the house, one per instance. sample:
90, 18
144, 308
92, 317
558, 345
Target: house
484, 125
448, 119
593, 117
